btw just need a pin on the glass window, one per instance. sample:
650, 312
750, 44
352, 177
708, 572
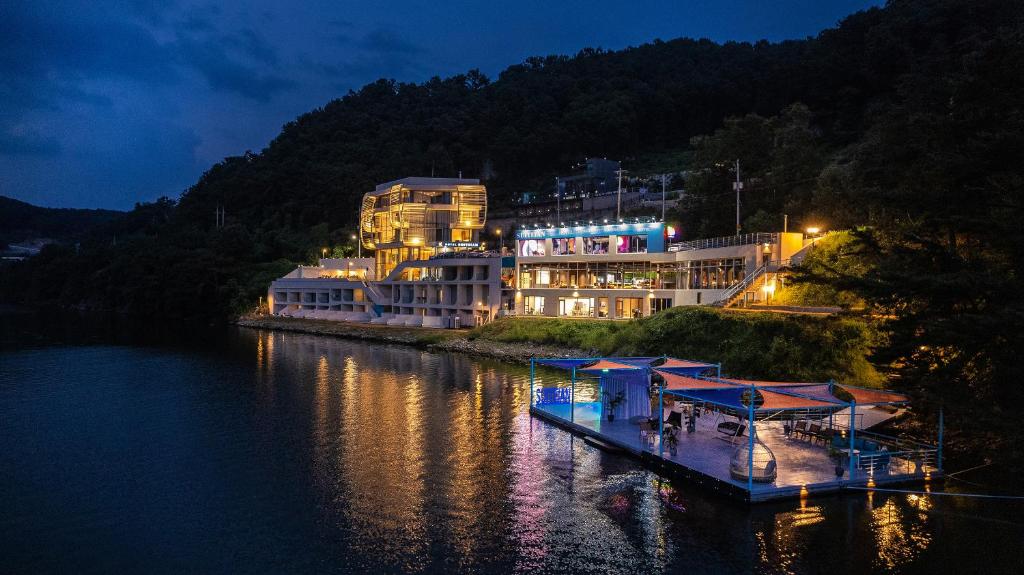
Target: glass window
576, 306
629, 307
533, 305
528, 248
660, 304
563, 246
595, 245
632, 244
602, 307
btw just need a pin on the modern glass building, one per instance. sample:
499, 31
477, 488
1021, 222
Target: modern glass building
428, 269
416, 218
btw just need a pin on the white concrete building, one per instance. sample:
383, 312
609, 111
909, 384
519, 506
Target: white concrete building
427, 270
625, 270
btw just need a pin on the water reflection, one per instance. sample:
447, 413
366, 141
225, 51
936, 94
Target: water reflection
282, 452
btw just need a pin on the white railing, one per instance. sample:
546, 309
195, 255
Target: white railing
746, 282
725, 241
770, 266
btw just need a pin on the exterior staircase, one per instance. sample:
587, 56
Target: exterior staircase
749, 284
755, 280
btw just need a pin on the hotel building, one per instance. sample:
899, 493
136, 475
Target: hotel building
417, 218
428, 268
629, 270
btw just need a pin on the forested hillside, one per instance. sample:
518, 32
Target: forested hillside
904, 124
20, 221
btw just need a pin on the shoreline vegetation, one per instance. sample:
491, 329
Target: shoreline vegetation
748, 344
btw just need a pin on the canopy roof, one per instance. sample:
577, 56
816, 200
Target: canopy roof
676, 381
605, 365
639, 361
566, 362
757, 383
683, 378
685, 363
864, 396
774, 400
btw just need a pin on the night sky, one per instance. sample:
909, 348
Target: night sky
107, 103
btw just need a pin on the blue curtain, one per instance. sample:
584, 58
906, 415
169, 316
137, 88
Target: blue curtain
635, 387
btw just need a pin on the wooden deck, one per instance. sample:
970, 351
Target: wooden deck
804, 468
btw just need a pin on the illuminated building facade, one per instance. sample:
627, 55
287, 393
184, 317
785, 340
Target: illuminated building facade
630, 270
428, 268
416, 218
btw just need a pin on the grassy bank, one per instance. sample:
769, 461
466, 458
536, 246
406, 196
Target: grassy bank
762, 345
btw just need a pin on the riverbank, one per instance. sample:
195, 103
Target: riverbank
444, 340
777, 347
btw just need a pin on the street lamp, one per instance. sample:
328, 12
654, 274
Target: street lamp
323, 253
500, 241
359, 245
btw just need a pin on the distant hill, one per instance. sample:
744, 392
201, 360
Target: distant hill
24, 222
822, 126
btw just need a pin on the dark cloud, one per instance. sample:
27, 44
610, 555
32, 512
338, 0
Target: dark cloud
223, 70
108, 102
386, 41
16, 142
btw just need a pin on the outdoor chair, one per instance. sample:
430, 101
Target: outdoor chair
675, 419
800, 428
814, 432
731, 428
646, 431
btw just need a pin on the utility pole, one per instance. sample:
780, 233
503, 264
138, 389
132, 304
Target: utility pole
663, 197
558, 200
737, 186
785, 223
618, 203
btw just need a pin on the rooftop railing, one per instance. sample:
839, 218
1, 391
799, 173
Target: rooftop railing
724, 241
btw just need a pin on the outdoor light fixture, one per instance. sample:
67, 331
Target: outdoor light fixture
813, 230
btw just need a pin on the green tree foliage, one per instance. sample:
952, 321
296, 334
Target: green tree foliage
780, 159
757, 345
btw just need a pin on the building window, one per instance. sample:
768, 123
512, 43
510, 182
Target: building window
660, 304
530, 248
563, 246
602, 307
632, 244
595, 245
533, 305
629, 307
576, 306
543, 277
711, 274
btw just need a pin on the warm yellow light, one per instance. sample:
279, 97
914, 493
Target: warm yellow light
468, 222
769, 288
575, 294
813, 230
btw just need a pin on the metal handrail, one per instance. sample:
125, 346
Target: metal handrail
725, 241
731, 292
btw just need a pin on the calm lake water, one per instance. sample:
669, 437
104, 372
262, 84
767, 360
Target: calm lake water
145, 448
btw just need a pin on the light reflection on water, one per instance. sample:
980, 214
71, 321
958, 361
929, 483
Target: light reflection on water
278, 452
